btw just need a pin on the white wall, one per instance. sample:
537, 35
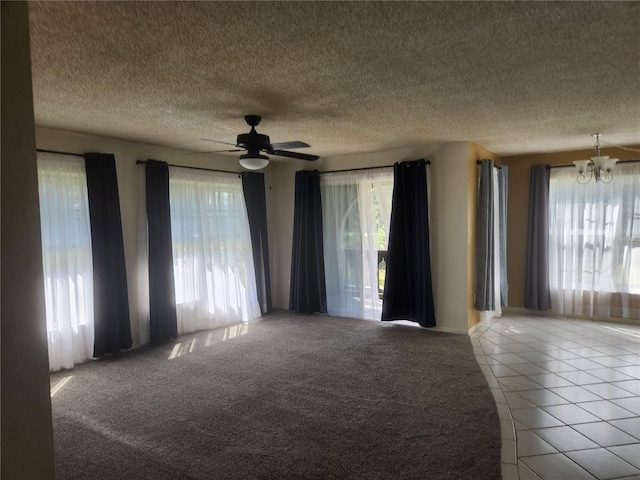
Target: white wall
126, 154
280, 225
27, 434
449, 180
449, 177
449, 235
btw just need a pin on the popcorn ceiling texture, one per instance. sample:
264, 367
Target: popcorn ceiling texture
345, 77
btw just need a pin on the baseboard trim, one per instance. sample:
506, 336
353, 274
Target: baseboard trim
474, 328
550, 314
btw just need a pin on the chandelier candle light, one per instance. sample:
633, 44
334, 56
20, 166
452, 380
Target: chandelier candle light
599, 166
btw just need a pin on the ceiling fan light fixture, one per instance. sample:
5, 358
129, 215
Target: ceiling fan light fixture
254, 143
254, 161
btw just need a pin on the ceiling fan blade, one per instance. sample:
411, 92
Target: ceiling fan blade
218, 141
280, 146
212, 151
299, 156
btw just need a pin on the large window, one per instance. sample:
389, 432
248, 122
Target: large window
213, 262
356, 210
594, 243
67, 260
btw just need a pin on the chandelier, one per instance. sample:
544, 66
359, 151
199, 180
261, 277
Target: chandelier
599, 166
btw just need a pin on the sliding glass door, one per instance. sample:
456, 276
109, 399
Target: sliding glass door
356, 210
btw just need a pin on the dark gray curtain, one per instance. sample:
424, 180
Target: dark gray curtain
110, 296
408, 289
254, 196
484, 278
163, 323
537, 294
503, 190
307, 292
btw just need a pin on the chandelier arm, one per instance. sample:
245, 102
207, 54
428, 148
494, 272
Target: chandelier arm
606, 176
585, 177
599, 166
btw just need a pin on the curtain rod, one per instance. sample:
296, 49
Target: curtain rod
142, 162
572, 165
428, 162
60, 153
499, 167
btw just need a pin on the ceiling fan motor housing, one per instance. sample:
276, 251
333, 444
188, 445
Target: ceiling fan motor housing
253, 141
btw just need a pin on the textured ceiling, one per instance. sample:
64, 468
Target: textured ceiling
345, 77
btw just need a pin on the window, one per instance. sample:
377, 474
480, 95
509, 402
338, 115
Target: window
594, 243
213, 261
356, 210
66, 258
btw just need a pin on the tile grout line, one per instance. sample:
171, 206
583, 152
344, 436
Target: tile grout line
610, 348
478, 334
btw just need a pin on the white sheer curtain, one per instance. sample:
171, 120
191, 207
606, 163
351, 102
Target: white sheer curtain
67, 261
356, 210
141, 336
594, 244
213, 261
486, 316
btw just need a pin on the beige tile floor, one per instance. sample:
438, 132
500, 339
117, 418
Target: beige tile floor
568, 396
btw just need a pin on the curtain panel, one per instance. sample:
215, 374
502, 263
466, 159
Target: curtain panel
214, 275
485, 239
356, 210
537, 294
503, 194
66, 259
141, 337
255, 199
110, 299
307, 292
163, 324
594, 244
408, 290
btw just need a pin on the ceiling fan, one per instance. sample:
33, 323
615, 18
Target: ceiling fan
256, 143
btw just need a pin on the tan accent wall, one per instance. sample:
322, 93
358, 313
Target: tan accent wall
476, 152
518, 207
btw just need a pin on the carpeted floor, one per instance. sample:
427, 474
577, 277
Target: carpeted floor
284, 397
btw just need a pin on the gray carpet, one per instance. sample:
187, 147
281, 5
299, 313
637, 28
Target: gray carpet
284, 397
